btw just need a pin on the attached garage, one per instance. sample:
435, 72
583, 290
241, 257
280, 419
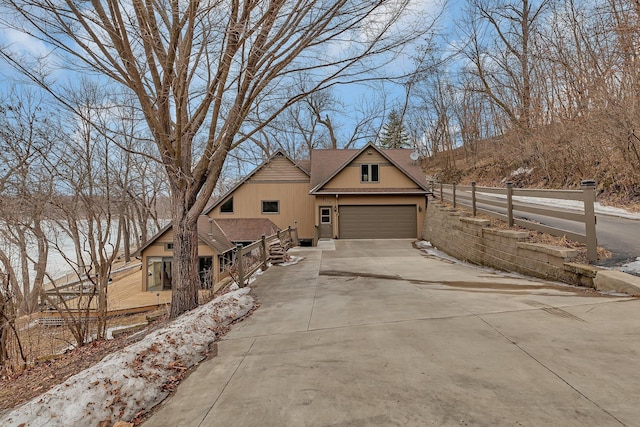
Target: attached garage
377, 221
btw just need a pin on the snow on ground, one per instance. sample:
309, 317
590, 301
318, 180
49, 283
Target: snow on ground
571, 204
131, 382
631, 268
293, 260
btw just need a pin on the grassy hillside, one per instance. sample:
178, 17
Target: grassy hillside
558, 157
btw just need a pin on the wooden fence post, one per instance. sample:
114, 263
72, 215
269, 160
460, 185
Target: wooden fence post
510, 203
294, 242
432, 186
473, 197
588, 189
240, 266
441, 194
454, 194
265, 254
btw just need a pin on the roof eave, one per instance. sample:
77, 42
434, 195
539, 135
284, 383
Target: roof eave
153, 239
410, 193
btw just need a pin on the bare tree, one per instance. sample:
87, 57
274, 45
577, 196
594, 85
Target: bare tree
26, 134
88, 212
200, 69
500, 48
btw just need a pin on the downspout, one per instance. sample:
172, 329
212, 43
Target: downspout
337, 225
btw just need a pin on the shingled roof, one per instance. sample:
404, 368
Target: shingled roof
246, 229
208, 231
325, 164
211, 233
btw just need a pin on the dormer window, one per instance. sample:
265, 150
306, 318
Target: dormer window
369, 173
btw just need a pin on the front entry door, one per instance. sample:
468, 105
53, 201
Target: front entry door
325, 230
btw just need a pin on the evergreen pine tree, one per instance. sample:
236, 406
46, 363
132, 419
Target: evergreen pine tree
393, 134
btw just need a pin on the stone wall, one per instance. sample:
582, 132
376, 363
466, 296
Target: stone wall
472, 240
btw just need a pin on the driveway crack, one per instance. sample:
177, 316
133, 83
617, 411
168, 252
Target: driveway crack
539, 362
227, 383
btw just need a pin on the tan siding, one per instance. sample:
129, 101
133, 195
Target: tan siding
157, 249
279, 169
390, 176
365, 158
296, 205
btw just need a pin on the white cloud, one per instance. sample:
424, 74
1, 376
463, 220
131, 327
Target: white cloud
22, 43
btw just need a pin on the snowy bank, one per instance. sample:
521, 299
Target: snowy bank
631, 267
129, 383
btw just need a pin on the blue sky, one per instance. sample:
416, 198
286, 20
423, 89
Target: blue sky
352, 97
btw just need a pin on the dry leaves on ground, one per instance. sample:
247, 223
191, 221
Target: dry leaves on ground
25, 385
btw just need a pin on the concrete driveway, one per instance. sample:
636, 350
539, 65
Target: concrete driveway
378, 333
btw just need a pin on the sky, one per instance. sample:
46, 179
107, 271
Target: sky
355, 100
352, 97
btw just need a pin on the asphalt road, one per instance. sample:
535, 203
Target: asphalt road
619, 235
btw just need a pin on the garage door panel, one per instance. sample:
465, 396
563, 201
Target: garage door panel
377, 221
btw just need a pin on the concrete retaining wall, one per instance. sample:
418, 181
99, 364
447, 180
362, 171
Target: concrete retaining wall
470, 239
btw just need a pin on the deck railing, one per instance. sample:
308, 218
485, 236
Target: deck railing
507, 204
256, 255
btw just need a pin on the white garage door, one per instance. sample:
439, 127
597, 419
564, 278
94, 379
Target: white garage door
377, 222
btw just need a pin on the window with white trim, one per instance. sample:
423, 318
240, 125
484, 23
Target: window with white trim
325, 215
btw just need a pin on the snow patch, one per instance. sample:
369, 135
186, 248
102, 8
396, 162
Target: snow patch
293, 260
522, 171
130, 382
631, 268
576, 205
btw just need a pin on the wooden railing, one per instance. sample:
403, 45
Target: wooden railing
503, 207
255, 256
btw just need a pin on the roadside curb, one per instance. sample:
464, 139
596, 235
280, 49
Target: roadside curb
618, 281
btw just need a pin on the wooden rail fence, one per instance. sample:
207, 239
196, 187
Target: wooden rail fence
256, 255
503, 207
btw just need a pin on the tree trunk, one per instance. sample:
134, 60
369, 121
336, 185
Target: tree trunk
40, 265
185, 258
102, 281
126, 237
4, 353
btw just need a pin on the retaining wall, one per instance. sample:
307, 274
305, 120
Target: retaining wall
471, 239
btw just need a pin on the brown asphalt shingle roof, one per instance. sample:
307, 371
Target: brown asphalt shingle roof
209, 231
305, 165
246, 229
325, 163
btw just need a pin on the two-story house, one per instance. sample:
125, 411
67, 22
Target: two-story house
367, 193
370, 193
